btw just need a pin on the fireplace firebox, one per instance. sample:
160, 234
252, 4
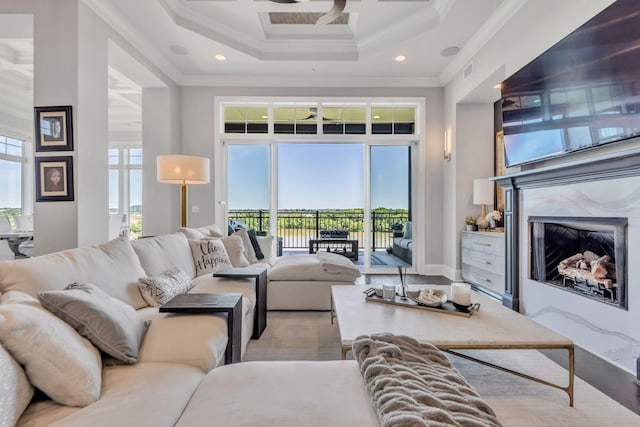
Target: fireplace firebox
586, 256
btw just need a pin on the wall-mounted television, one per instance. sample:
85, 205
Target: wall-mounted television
581, 93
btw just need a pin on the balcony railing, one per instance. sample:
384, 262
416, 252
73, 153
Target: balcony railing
296, 227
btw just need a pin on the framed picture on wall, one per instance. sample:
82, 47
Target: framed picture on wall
54, 179
54, 131
499, 169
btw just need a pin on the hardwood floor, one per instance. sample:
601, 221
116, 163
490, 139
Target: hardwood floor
609, 379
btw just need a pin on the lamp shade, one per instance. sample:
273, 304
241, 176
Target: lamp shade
482, 192
180, 169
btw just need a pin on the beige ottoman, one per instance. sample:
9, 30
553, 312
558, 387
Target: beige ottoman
303, 282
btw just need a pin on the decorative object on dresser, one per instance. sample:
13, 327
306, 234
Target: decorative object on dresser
483, 256
482, 195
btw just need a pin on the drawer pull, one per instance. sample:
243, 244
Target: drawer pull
485, 279
481, 244
483, 261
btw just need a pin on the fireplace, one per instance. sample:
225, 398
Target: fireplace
586, 256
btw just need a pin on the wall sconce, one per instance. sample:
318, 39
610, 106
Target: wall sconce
446, 145
183, 170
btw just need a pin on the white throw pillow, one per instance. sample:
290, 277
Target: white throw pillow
111, 325
160, 289
209, 256
249, 253
235, 250
202, 232
58, 361
15, 390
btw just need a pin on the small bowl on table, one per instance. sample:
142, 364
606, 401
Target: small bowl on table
438, 297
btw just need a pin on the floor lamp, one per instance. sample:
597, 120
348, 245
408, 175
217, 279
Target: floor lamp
183, 170
482, 195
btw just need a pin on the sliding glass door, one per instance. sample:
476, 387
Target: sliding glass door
390, 206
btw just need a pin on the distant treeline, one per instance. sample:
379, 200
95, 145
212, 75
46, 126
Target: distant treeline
323, 219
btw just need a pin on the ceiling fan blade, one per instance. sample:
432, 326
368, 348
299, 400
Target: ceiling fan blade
334, 12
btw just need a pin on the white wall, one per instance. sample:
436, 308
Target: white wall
70, 68
198, 130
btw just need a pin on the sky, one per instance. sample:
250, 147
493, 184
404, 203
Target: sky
310, 176
317, 176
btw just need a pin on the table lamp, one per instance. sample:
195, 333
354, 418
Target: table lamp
482, 195
183, 170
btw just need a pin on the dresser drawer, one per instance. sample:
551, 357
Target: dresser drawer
486, 279
491, 243
483, 260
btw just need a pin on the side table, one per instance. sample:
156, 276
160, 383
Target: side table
260, 276
214, 303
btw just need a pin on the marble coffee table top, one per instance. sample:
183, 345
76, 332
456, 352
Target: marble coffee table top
492, 327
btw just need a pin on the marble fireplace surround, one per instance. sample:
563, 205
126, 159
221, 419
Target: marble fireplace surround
602, 186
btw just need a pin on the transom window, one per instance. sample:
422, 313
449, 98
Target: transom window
321, 118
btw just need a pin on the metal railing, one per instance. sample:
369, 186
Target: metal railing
296, 227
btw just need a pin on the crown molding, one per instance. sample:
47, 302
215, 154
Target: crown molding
306, 81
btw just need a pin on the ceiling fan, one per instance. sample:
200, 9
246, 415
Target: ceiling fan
334, 12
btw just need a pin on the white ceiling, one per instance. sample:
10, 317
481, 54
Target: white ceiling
183, 36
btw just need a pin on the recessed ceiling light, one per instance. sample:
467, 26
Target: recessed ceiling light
220, 57
178, 50
400, 58
265, 117
450, 51
376, 116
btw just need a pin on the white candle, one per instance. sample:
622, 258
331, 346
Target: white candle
461, 293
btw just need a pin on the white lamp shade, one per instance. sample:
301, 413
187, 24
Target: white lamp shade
482, 192
179, 169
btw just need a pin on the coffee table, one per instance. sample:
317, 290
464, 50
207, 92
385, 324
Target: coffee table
260, 276
493, 327
214, 303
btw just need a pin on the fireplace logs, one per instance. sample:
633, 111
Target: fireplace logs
590, 272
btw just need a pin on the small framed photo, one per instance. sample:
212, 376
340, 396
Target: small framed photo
54, 131
54, 179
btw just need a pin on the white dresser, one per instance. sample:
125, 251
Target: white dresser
483, 260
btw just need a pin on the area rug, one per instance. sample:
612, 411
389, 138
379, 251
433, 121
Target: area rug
516, 401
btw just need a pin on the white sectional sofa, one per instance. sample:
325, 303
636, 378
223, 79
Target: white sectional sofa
177, 350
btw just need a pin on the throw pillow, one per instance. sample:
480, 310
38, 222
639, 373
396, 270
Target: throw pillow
209, 256
58, 361
111, 325
254, 243
235, 250
249, 252
202, 232
408, 230
160, 289
15, 389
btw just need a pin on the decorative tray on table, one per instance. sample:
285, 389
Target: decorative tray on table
412, 301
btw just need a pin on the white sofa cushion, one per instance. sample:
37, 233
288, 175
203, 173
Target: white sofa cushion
195, 340
111, 325
283, 394
235, 250
209, 256
112, 266
146, 394
201, 232
160, 289
249, 252
15, 390
309, 267
161, 253
57, 360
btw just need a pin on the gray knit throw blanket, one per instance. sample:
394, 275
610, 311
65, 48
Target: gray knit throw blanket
413, 384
